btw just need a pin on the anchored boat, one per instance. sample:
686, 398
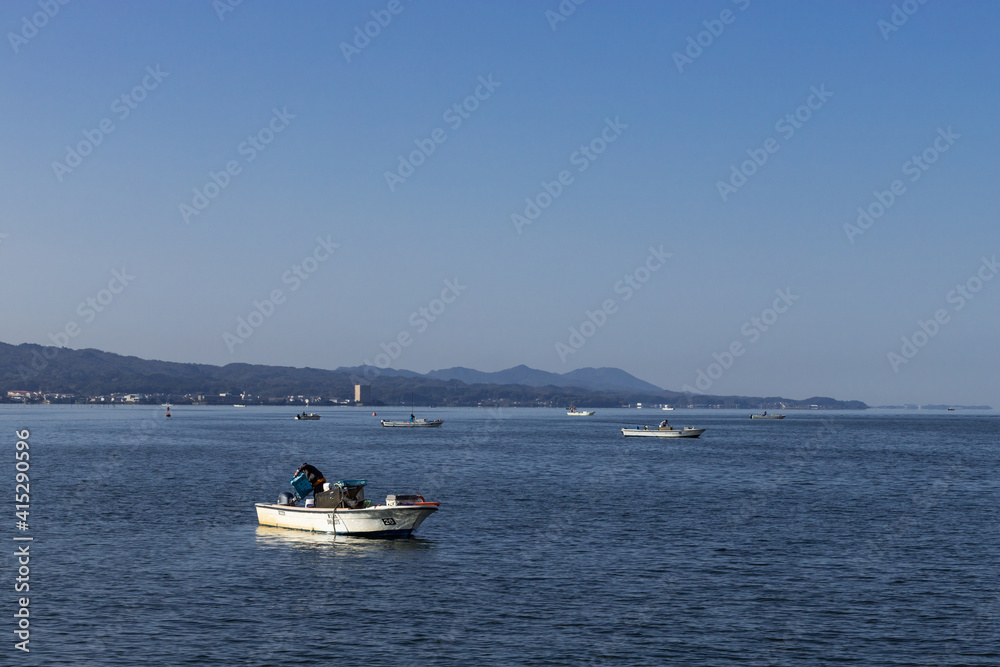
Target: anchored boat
312, 416
342, 509
662, 432
412, 422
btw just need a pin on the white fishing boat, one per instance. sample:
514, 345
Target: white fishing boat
573, 412
312, 416
662, 432
767, 416
342, 509
412, 423
667, 407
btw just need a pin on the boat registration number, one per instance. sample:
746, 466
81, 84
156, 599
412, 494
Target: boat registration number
388, 521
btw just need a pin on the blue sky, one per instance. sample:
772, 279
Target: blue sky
643, 124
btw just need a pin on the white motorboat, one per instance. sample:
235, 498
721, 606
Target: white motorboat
573, 412
667, 407
662, 432
412, 423
343, 510
767, 416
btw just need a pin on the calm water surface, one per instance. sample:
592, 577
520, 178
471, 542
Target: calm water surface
826, 538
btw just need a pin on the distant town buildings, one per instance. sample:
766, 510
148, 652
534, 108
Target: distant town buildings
362, 393
38, 396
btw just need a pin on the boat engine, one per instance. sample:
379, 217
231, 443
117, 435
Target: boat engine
286, 498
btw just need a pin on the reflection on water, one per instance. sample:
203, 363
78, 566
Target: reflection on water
271, 537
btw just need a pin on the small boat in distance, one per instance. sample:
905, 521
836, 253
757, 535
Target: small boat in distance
312, 416
239, 405
662, 432
667, 407
573, 412
411, 423
764, 415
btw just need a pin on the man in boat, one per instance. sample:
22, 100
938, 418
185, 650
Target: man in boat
664, 424
411, 417
314, 476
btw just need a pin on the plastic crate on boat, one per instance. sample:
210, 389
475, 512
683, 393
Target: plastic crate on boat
300, 483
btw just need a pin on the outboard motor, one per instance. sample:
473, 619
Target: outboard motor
286, 498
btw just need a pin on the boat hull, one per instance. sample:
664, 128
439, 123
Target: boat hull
579, 414
767, 416
414, 424
665, 433
381, 521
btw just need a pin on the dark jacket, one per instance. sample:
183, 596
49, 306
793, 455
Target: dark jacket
314, 476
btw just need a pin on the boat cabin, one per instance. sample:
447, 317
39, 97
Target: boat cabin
346, 493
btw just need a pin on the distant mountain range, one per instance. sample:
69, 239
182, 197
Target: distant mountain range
596, 379
89, 372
